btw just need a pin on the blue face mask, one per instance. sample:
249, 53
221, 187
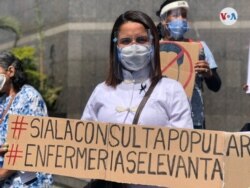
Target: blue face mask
177, 28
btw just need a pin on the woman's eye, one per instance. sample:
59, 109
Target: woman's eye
142, 39
125, 41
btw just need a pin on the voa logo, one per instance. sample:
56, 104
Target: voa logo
228, 16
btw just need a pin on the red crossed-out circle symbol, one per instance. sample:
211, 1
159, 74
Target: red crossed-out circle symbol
179, 55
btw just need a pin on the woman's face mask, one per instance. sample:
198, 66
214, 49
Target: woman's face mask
135, 57
177, 28
2, 80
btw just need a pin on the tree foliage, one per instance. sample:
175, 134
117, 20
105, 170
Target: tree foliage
11, 24
50, 93
33, 61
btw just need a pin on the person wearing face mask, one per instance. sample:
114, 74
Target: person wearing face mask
246, 126
134, 68
173, 26
17, 97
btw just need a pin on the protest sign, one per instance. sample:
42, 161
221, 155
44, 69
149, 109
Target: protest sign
237, 170
173, 158
177, 62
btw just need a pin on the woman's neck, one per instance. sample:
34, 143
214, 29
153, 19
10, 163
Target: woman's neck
168, 38
11, 91
137, 76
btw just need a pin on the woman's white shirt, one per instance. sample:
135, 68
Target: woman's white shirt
167, 106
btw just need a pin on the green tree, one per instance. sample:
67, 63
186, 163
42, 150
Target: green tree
33, 65
50, 93
11, 24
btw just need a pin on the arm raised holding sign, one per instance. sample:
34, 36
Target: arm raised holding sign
17, 98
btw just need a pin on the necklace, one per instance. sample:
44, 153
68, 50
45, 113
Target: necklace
7, 108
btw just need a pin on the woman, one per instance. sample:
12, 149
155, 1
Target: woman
246, 127
173, 26
134, 65
17, 98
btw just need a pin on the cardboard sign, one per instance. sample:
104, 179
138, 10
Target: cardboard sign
177, 62
173, 158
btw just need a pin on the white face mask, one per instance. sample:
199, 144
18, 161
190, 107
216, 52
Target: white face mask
135, 57
2, 80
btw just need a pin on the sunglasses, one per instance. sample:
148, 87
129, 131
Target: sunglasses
128, 40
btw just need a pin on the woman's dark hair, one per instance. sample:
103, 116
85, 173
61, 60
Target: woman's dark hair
115, 66
8, 59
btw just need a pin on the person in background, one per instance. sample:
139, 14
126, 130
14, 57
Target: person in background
134, 66
17, 98
172, 27
246, 127
245, 87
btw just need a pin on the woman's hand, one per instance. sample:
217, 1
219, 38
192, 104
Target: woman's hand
4, 149
202, 67
4, 173
245, 87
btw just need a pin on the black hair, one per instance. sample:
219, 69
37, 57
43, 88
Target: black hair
8, 59
115, 66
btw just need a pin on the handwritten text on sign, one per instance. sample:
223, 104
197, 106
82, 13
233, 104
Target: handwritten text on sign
122, 153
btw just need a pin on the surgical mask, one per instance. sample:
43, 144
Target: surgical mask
177, 28
135, 57
2, 81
